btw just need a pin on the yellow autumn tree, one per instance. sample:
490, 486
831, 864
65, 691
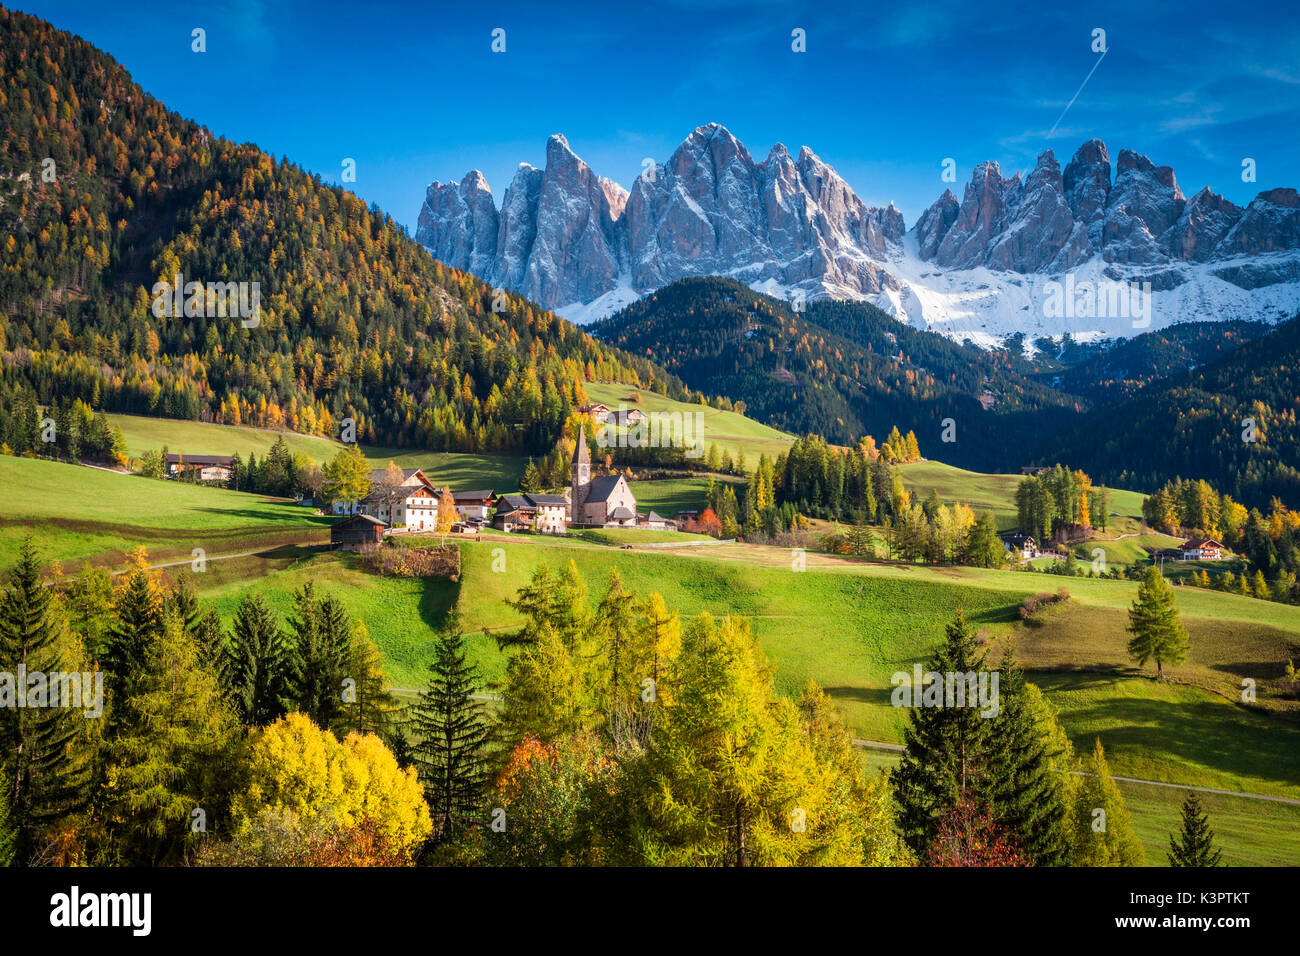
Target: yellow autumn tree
293, 765
447, 515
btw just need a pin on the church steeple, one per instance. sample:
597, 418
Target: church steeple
581, 477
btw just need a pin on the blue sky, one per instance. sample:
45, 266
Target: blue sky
884, 93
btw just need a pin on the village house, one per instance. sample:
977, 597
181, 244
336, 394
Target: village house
514, 513
1201, 549
473, 507
544, 514
552, 513
623, 417
597, 410
413, 504
207, 467
655, 522
1023, 543
603, 502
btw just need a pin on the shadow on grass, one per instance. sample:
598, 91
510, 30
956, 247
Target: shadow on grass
439, 597
1207, 733
878, 696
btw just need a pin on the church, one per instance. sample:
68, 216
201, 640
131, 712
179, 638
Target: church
605, 502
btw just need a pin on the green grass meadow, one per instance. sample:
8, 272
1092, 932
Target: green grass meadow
729, 430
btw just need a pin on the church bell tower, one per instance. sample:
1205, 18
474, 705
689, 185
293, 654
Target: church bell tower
581, 476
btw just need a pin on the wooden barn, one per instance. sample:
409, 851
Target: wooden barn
358, 533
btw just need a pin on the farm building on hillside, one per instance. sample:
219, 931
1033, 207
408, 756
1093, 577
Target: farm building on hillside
1201, 549
360, 532
625, 417
1023, 543
208, 467
655, 522
473, 506
545, 514
597, 410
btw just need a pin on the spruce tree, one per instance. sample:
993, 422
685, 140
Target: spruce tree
47, 747
948, 748
1027, 797
448, 723
323, 632
184, 601
139, 605
1194, 844
260, 666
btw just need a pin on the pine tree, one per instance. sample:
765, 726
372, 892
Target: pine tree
7, 835
451, 732
139, 606
948, 747
531, 480
660, 639
616, 627
1158, 633
47, 747
322, 643
1194, 845
260, 664
983, 548
1026, 795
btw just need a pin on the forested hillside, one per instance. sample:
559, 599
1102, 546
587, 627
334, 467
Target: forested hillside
841, 370
104, 192
1112, 372
1232, 422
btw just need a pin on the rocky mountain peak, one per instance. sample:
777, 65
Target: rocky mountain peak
576, 241
565, 235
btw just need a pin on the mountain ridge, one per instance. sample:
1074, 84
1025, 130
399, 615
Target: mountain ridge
982, 267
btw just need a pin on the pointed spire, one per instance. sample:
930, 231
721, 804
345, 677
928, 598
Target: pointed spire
581, 455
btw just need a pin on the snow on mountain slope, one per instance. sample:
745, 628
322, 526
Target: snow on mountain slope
1047, 253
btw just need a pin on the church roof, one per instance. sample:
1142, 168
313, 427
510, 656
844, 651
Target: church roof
621, 514
601, 488
581, 455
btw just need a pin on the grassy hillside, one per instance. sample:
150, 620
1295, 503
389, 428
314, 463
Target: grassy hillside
997, 493
731, 431
458, 469
77, 512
